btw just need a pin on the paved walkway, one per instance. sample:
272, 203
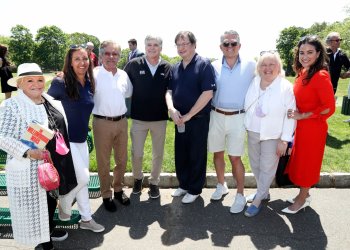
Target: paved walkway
167, 223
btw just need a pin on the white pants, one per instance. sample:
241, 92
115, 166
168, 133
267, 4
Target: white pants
80, 154
263, 162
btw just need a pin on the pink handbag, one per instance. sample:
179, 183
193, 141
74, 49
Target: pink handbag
48, 176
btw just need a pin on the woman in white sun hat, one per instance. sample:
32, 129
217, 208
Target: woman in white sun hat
32, 207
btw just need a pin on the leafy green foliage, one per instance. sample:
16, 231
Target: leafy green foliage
123, 58
83, 38
4, 40
21, 45
50, 48
285, 46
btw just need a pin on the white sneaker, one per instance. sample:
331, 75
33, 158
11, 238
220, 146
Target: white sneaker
220, 191
92, 225
179, 192
189, 198
239, 204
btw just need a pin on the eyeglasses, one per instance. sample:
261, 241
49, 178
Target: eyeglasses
109, 54
182, 45
227, 44
268, 51
336, 40
77, 46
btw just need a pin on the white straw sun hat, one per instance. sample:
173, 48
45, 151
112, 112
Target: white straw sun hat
25, 69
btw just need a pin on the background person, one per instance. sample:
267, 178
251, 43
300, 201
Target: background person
338, 60
5, 73
188, 100
149, 112
75, 90
315, 104
233, 77
110, 125
134, 51
90, 49
29, 202
267, 101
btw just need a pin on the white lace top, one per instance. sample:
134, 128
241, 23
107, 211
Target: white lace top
27, 199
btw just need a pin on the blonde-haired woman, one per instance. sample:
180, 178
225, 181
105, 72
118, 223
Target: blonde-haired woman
267, 101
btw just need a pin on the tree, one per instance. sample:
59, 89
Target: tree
4, 40
83, 38
285, 44
123, 58
51, 47
21, 45
171, 60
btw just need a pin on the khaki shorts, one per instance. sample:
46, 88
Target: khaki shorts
226, 131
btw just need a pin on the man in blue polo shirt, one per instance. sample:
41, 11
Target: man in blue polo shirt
233, 77
188, 99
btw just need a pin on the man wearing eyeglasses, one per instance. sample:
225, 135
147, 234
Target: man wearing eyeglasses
338, 60
233, 77
188, 99
150, 76
110, 125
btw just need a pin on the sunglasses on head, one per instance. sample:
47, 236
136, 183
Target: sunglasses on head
268, 51
227, 44
77, 46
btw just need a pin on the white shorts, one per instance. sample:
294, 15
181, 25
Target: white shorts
226, 130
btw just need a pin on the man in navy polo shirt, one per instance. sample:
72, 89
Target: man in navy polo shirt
188, 99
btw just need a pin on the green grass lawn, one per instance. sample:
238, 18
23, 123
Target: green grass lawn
337, 153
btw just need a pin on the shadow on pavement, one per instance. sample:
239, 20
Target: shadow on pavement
212, 222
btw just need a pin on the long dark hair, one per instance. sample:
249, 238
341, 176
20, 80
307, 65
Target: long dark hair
3, 50
320, 63
71, 79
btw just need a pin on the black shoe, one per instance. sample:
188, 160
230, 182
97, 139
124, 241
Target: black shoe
153, 191
137, 186
58, 235
109, 205
122, 198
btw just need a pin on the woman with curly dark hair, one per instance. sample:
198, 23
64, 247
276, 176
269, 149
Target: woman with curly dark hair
315, 104
75, 90
5, 73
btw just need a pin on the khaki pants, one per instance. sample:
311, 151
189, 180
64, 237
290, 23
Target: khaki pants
263, 162
138, 133
110, 135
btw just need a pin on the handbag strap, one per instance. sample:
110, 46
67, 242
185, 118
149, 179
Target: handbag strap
257, 99
50, 117
47, 157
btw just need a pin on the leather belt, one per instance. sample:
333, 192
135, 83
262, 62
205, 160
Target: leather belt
113, 119
228, 112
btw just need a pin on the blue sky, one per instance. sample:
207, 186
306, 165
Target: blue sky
258, 22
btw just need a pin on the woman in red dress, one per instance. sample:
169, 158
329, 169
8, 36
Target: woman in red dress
315, 104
